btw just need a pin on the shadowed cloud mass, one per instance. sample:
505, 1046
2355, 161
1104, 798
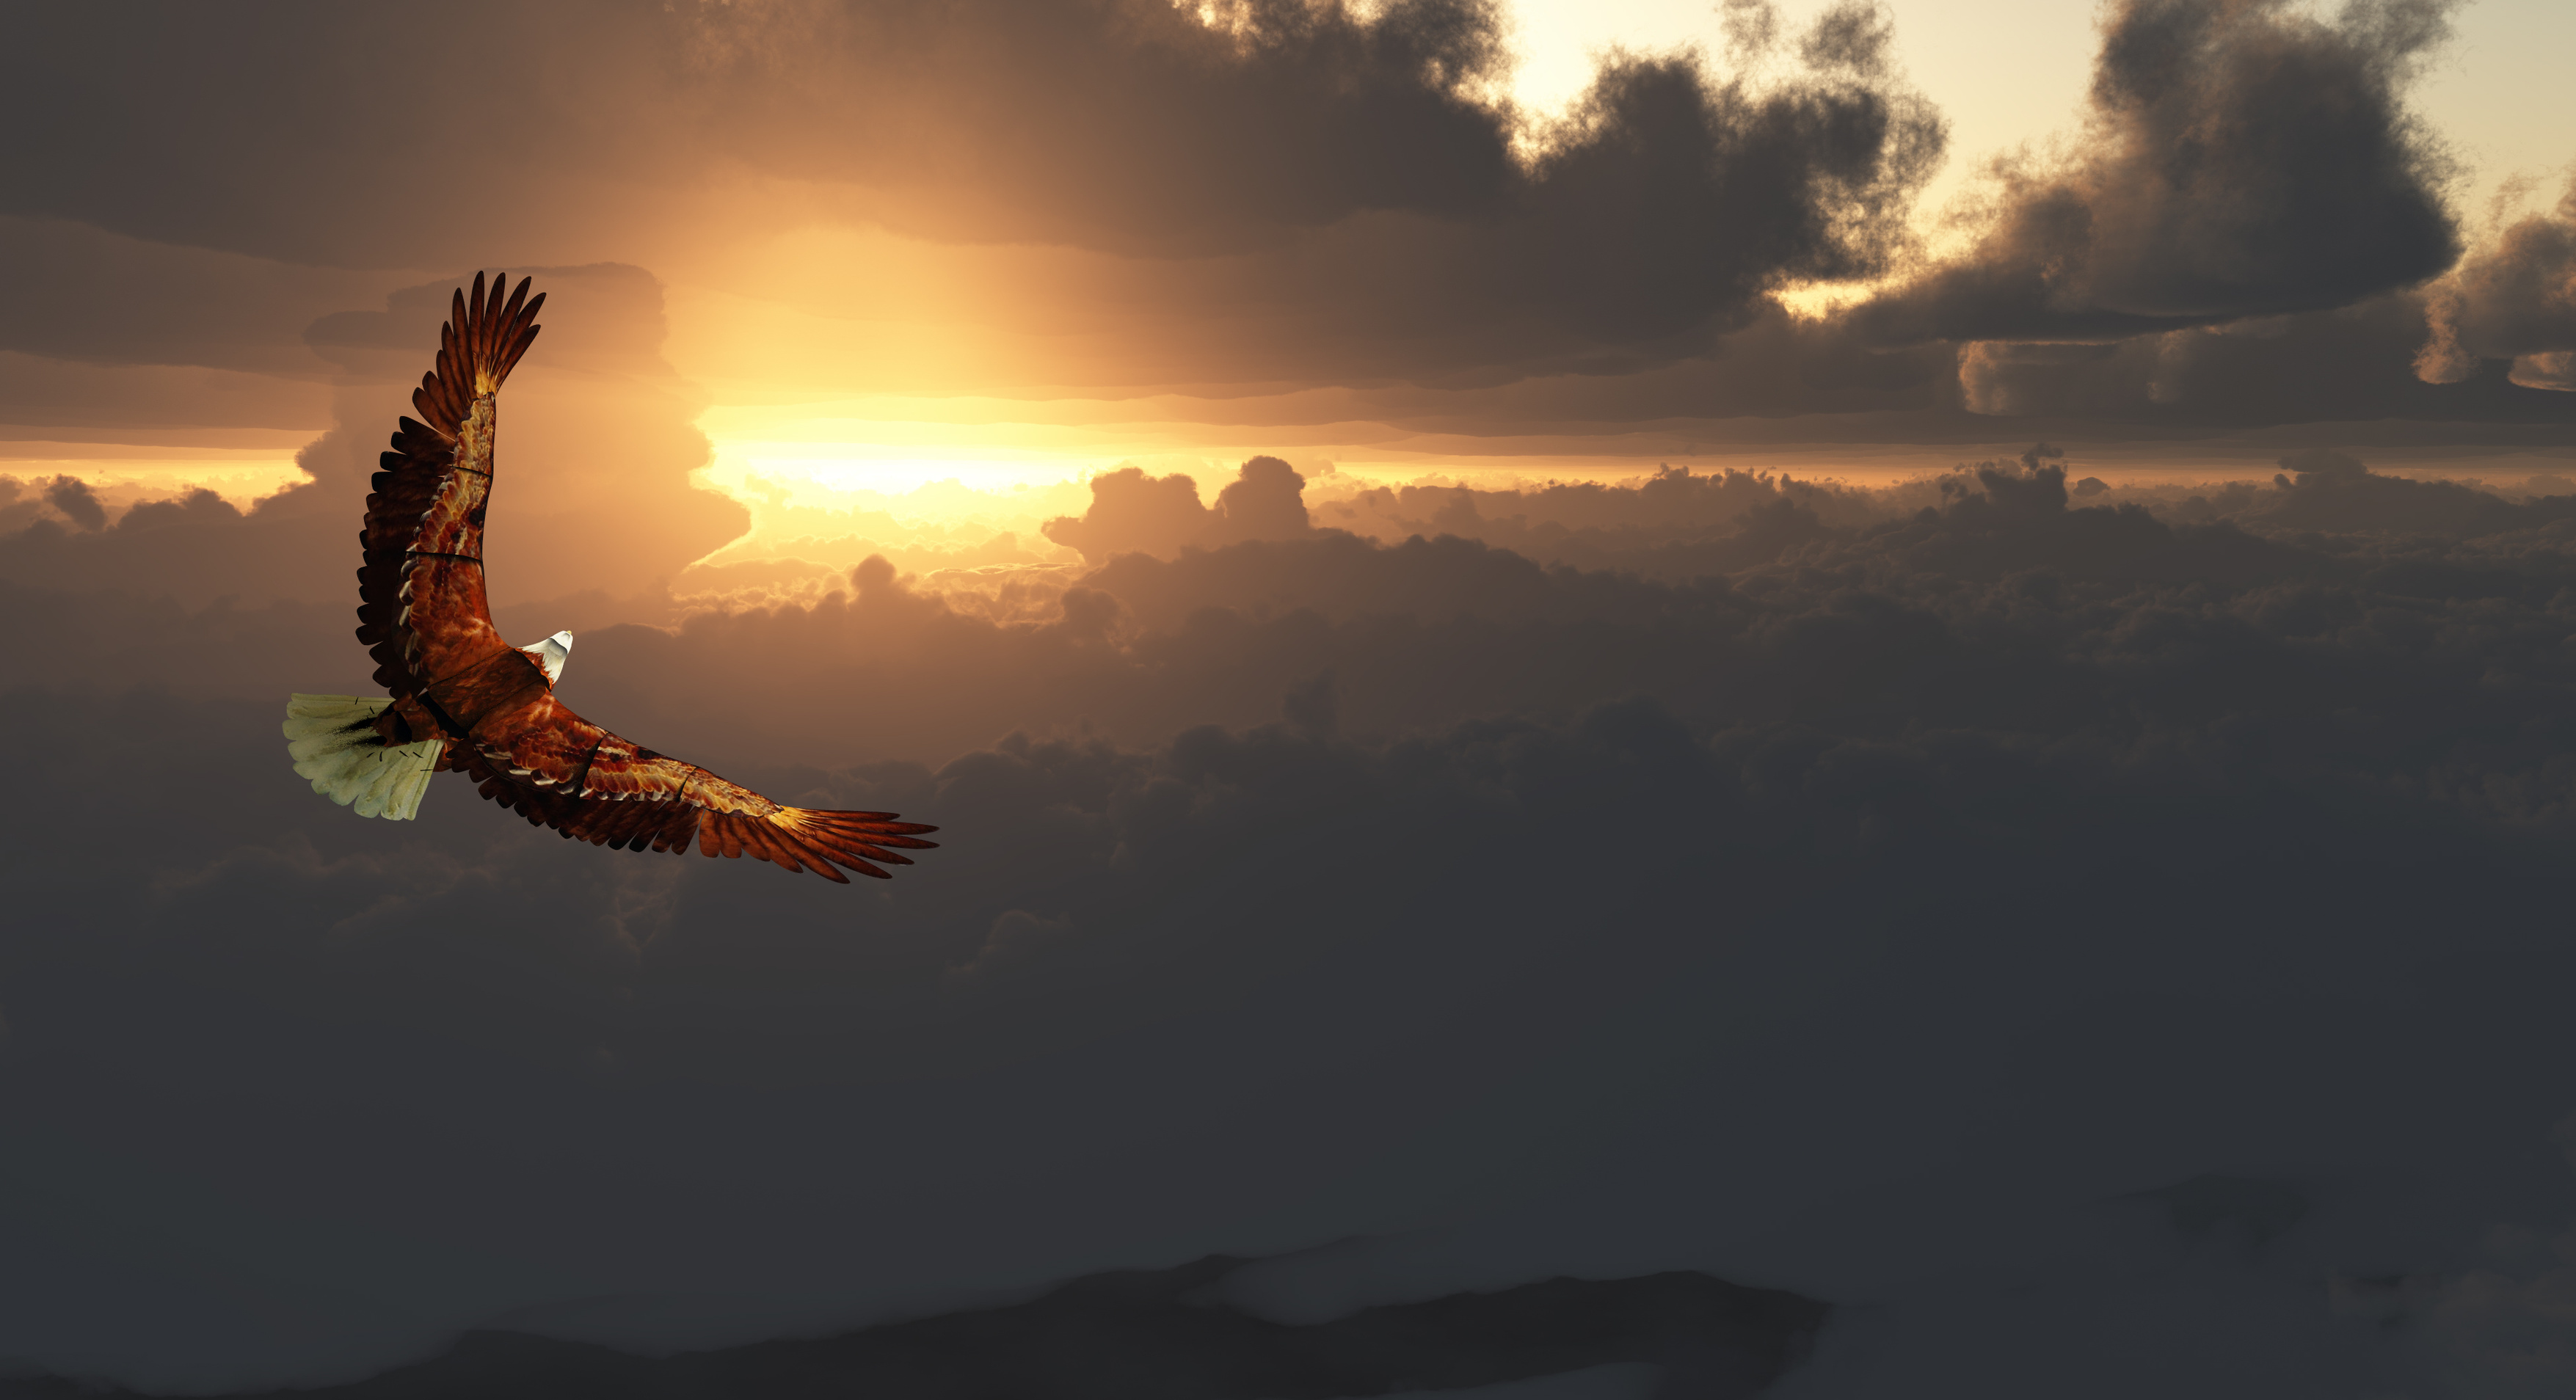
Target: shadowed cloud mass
2242, 160
1333, 181
2068, 852
2515, 300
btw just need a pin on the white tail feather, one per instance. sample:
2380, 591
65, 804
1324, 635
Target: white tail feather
334, 742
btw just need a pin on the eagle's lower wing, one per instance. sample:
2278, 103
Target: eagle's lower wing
421, 607
560, 770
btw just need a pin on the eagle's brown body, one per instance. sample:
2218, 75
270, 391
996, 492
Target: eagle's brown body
423, 615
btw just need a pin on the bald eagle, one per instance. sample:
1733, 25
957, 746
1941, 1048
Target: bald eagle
459, 698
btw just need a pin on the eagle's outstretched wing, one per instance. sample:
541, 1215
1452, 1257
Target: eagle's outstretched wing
424, 618
421, 609
620, 795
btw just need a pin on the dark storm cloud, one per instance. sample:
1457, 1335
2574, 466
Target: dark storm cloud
1785, 379
294, 144
2349, 364
1297, 115
1653, 218
1291, 196
1773, 366
1966, 873
1356, 173
2515, 300
2242, 160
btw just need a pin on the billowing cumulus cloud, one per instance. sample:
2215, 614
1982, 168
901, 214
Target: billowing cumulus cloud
1134, 512
2515, 300
2242, 160
1355, 179
1653, 218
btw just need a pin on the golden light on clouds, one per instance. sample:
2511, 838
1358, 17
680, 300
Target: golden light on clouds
121, 477
886, 338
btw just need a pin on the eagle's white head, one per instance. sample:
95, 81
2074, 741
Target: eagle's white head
551, 654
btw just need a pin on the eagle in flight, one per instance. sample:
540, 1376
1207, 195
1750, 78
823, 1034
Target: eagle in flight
460, 698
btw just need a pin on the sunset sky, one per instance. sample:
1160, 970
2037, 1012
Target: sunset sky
887, 253
1923, 654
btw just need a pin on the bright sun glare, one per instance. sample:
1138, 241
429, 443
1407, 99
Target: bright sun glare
855, 467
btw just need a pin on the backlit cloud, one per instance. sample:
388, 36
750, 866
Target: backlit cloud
2242, 160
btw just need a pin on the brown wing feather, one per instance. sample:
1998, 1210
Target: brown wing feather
425, 619
789, 838
557, 769
421, 607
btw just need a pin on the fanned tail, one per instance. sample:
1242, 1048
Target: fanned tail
334, 742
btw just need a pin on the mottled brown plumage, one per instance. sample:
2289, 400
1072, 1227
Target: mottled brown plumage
424, 618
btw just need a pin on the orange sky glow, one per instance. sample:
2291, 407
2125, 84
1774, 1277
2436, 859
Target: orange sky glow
960, 385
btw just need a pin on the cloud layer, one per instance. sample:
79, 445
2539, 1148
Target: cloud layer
1920, 916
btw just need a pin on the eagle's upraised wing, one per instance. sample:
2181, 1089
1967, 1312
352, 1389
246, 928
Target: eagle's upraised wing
425, 620
421, 609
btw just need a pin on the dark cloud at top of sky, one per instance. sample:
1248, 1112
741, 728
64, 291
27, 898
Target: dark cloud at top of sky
1658, 213
1159, 128
1163, 128
1653, 217
1283, 195
1669, 201
2243, 160
1084, 118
